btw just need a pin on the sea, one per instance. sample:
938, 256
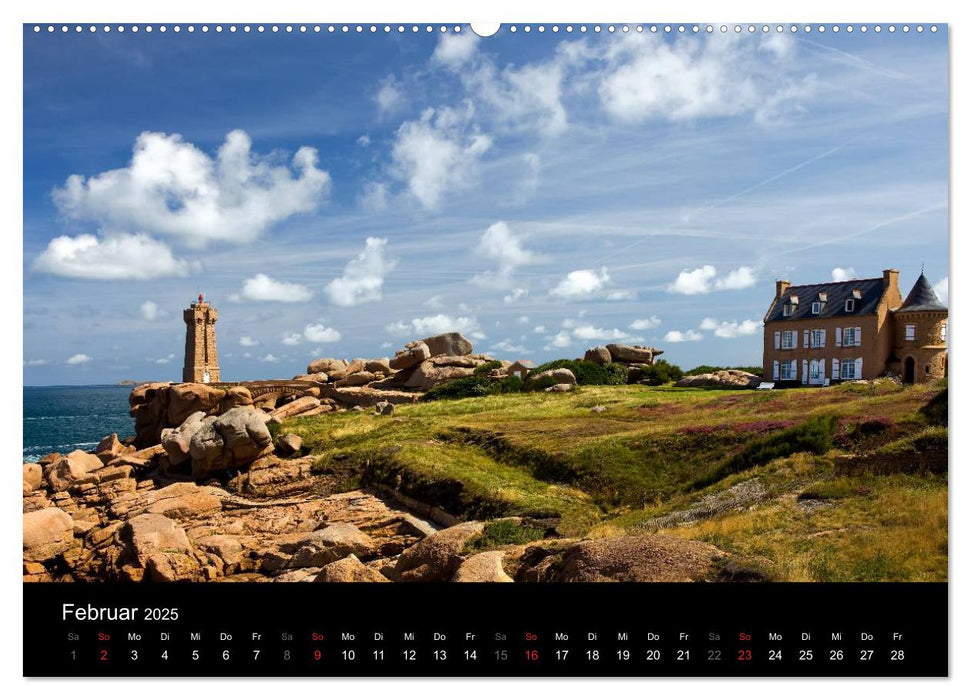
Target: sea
66, 418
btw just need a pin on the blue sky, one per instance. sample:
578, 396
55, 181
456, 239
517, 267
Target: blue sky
339, 195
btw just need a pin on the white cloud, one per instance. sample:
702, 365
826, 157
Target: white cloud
165, 360
390, 96
247, 342
364, 140
694, 79
79, 359
681, 336
560, 340
643, 324
453, 50
363, 276
264, 288
588, 331
742, 278
269, 358
35, 363
581, 283
150, 311
523, 320
503, 246
319, 333
704, 279
509, 346
374, 196
539, 329
434, 302
118, 256
621, 295
292, 339
515, 295
438, 152
842, 274
172, 188
730, 329
941, 290
435, 325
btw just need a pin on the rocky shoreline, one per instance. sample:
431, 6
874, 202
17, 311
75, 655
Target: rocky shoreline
212, 488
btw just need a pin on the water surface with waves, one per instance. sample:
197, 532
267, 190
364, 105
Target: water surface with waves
66, 418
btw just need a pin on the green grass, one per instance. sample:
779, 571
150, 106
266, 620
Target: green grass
658, 450
501, 533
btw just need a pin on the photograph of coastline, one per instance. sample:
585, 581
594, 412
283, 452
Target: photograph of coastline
562, 306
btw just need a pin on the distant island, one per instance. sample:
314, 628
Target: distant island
127, 382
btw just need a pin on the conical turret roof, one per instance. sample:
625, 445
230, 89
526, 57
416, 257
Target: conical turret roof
922, 297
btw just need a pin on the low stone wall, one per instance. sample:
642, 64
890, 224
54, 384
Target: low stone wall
928, 461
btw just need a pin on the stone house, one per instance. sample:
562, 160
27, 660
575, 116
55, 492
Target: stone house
520, 368
816, 334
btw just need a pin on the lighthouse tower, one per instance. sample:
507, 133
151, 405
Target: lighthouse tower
201, 360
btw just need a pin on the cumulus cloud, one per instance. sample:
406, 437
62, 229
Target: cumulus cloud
269, 358
374, 196
681, 336
842, 274
363, 276
581, 283
560, 340
292, 339
79, 359
434, 325
588, 331
730, 329
390, 97
509, 346
264, 288
150, 311
645, 79
436, 153
118, 256
941, 290
704, 279
515, 295
319, 333
165, 360
454, 50
643, 324
501, 245
247, 342
35, 362
172, 188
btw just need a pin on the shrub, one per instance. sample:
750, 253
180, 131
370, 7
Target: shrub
936, 409
510, 385
661, 372
708, 369
587, 373
483, 370
815, 435
462, 388
501, 533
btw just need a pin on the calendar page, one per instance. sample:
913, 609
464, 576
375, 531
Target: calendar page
604, 349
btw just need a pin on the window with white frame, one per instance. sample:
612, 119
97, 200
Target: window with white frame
817, 307
910, 331
847, 369
943, 330
817, 338
850, 305
849, 337
816, 369
787, 310
788, 340
787, 370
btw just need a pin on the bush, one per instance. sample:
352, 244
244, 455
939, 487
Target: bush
501, 533
661, 372
483, 370
708, 369
462, 388
587, 373
815, 436
936, 409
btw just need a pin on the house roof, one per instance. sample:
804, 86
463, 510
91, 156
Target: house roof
869, 291
922, 297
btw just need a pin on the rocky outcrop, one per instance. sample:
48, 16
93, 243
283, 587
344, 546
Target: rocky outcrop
47, 533
111, 447
598, 354
485, 567
349, 570
33, 477
437, 557
558, 376
234, 439
68, 469
724, 379
448, 344
413, 355
327, 365
288, 445
176, 441
298, 406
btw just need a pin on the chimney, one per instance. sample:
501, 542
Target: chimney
890, 278
780, 287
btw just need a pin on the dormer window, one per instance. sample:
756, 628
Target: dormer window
794, 300
857, 294
850, 305
817, 307
823, 297
787, 310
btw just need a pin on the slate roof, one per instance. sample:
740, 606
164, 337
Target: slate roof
922, 297
871, 291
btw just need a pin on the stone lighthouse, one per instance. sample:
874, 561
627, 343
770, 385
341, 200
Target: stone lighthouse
201, 359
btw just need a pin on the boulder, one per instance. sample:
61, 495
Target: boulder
560, 376
633, 558
349, 570
186, 399
111, 447
352, 367
168, 567
175, 441
381, 365
321, 547
153, 533
438, 556
235, 396
725, 379
272, 477
358, 379
184, 500
318, 377
384, 408
485, 567
633, 353
412, 356
598, 409
560, 388
288, 444
327, 365
233, 439
299, 405
68, 469
598, 354
448, 344
33, 476
427, 376
47, 533
228, 550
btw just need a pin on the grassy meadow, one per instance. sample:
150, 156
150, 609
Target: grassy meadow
751, 472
